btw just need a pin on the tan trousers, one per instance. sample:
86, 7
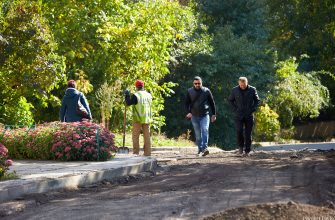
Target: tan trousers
137, 127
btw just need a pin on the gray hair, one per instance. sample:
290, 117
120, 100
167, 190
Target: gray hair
243, 79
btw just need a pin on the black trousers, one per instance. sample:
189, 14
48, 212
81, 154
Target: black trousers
244, 128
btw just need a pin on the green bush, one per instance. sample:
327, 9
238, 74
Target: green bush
267, 124
18, 111
60, 141
297, 95
287, 134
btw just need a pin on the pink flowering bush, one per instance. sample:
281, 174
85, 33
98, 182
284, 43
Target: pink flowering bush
83, 141
4, 162
61, 141
30, 143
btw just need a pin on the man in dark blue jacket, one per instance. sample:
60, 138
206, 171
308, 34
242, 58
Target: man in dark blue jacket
199, 104
244, 101
69, 109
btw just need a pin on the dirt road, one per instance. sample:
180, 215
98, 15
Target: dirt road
193, 188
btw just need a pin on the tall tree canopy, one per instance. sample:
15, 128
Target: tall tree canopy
234, 43
105, 45
306, 27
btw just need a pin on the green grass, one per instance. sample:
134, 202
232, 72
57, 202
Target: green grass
156, 139
9, 176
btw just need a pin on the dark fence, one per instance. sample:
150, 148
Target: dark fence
316, 130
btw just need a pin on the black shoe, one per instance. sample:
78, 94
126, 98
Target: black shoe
205, 153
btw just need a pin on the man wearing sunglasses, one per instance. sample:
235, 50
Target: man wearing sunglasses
199, 105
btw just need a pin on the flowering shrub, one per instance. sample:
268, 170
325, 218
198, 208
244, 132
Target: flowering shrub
83, 141
62, 141
30, 143
4, 162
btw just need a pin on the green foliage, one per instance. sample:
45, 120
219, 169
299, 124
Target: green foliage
74, 25
18, 112
267, 125
301, 27
297, 95
9, 176
29, 66
112, 40
107, 44
223, 52
108, 96
304, 27
139, 43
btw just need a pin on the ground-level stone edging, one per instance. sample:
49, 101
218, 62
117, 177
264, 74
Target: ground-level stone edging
49, 175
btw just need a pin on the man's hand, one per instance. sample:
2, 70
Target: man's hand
126, 92
189, 116
213, 118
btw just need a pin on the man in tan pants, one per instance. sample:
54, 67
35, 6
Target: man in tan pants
141, 101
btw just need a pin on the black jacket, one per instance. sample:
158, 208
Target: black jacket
202, 105
131, 99
244, 102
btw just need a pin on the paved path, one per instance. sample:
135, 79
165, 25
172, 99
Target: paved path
44, 176
309, 146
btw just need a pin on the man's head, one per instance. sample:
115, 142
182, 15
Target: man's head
71, 84
243, 82
197, 82
139, 84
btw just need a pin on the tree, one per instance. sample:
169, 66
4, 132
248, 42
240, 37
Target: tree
231, 42
108, 97
29, 67
138, 44
105, 41
306, 27
297, 95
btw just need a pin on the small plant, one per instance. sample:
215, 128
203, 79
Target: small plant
267, 124
5, 163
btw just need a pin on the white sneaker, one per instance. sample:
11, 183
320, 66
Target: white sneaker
200, 154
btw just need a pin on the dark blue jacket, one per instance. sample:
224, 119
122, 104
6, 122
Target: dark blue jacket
68, 110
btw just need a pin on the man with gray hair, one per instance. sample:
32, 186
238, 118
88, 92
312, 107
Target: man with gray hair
244, 101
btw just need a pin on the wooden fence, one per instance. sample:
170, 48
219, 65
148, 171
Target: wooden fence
316, 130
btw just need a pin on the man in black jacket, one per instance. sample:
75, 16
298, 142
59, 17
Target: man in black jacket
244, 101
199, 104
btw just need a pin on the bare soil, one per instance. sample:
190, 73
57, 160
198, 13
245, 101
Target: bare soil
272, 185
290, 211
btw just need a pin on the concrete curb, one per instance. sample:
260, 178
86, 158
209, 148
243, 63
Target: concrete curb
69, 178
211, 149
297, 147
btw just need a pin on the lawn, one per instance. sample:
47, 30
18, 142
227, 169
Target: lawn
158, 140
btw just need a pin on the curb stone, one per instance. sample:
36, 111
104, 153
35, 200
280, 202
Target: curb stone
74, 177
211, 149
